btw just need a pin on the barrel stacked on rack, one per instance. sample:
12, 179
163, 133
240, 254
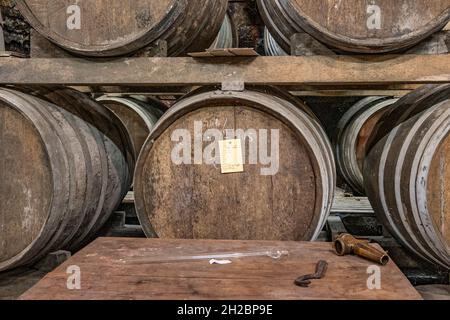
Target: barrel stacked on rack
65, 166
355, 25
120, 27
353, 134
138, 117
397, 151
407, 173
283, 191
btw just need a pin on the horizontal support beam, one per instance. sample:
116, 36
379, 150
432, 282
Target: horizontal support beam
315, 70
299, 90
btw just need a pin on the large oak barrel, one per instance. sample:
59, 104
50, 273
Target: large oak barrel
353, 132
281, 189
61, 176
119, 27
407, 178
138, 117
356, 25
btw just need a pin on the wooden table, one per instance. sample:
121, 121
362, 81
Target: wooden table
116, 268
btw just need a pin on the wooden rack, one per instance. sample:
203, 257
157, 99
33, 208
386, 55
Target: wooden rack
316, 72
302, 75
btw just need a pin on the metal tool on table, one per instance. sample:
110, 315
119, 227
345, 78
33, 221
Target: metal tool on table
272, 253
321, 270
347, 244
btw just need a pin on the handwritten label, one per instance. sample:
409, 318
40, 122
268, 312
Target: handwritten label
231, 159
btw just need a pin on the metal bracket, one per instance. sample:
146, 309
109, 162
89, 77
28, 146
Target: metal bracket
233, 86
335, 226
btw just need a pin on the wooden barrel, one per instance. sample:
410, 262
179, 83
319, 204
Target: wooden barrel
406, 108
116, 137
138, 117
61, 177
353, 132
407, 177
356, 25
185, 187
119, 27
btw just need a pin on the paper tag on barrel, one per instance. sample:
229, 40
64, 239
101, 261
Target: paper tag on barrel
231, 159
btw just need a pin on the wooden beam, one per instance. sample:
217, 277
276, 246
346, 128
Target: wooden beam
298, 90
315, 70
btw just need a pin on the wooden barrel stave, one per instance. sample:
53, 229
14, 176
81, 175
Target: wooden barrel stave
397, 177
97, 116
203, 31
352, 134
408, 107
327, 165
116, 150
157, 221
98, 161
278, 23
345, 25
405, 223
422, 220
438, 125
58, 172
436, 181
100, 119
138, 117
87, 177
118, 154
97, 164
65, 127
61, 126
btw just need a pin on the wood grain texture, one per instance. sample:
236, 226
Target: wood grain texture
62, 177
115, 147
118, 27
408, 107
199, 202
406, 179
108, 272
353, 133
21, 151
438, 193
195, 200
341, 70
138, 117
354, 25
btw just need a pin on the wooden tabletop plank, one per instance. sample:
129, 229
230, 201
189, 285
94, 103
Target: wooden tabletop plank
313, 70
139, 269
